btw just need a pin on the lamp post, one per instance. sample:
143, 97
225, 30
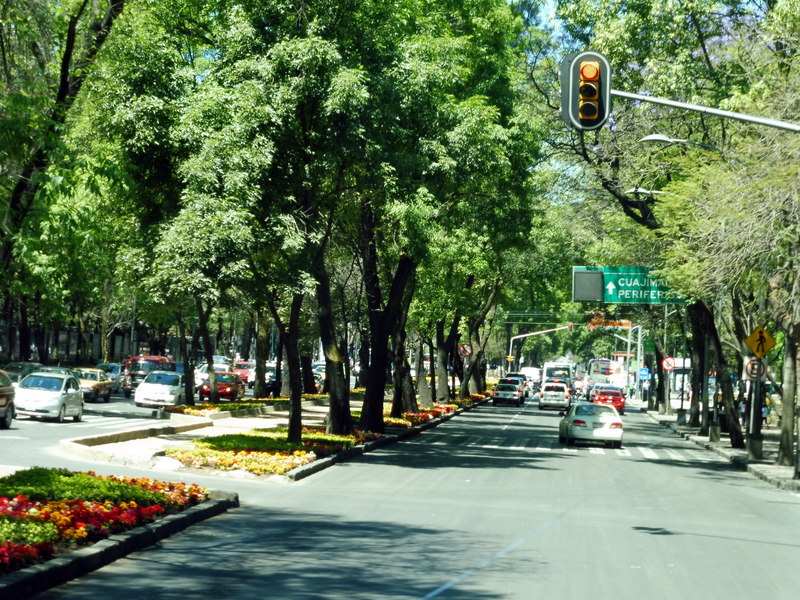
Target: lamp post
669, 141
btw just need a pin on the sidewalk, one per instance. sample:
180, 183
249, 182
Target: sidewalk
765, 468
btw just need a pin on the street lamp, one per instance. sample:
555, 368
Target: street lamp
669, 141
638, 190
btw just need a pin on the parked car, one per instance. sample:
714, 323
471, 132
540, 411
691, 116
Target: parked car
554, 395
7, 393
160, 388
508, 392
612, 396
136, 368
49, 395
114, 371
229, 387
592, 422
95, 384
18, 370
246, 370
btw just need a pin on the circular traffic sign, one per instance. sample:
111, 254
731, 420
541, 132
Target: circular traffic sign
668, 364
465, 350
755, 369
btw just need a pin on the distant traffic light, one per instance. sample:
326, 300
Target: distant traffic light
585, 90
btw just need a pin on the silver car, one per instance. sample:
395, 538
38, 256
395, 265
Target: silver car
50, 395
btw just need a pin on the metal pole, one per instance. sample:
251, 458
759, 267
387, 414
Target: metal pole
709, 111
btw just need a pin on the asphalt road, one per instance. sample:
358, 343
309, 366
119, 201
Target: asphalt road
486, 506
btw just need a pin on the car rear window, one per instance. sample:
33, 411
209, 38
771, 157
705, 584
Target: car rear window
592, 409
555, 388
505, 387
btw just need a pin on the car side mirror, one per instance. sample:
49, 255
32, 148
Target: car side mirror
561, 414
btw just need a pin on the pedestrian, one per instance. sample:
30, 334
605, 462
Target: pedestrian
764, 413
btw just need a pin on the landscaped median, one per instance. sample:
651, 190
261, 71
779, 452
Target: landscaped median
56, 525
266, 451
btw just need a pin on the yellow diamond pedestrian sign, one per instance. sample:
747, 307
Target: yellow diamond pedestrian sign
760, 342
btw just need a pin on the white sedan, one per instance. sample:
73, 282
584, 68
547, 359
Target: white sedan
591, 422
160, 388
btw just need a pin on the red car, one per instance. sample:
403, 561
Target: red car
611, 396
229, 387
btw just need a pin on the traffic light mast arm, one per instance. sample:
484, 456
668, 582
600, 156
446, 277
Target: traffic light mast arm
524, 335
709, 111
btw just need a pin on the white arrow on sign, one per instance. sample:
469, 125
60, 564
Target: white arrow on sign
611, 288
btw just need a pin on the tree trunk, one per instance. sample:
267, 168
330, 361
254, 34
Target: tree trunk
423, 389
290, 335
260, 389
339, 419
381, 319
405, 397
786, 452
204, 313
24, 332
442, 384
188, 361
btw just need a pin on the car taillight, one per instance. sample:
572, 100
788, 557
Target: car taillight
616, 425
578, 423
206, 387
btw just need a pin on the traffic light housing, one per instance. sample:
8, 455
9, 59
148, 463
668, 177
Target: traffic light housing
585, 90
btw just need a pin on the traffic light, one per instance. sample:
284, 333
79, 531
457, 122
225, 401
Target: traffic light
585, 90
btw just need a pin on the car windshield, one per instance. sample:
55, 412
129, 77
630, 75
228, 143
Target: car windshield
227, 378
244, 365
163, 378
85, 374
41, 382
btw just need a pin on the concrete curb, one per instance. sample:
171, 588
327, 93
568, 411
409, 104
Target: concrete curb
37, 578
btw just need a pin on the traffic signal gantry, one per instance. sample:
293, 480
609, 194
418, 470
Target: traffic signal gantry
585, 90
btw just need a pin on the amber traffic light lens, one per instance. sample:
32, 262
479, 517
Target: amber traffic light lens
590, 70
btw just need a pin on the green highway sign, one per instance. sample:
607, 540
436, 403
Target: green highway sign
620, 285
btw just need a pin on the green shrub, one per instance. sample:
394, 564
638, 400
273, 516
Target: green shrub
39, 483
21, 531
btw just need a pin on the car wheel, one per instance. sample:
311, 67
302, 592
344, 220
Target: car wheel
561, 439
77, 418
570, 441
9, 416
107, 398
96, 396
494, 402
62, 413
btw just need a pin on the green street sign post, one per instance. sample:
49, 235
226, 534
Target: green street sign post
620, 285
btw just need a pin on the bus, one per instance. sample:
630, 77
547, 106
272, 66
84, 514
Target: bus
605, 371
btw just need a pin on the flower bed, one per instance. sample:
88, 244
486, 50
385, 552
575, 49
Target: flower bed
264, 451
47, 512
